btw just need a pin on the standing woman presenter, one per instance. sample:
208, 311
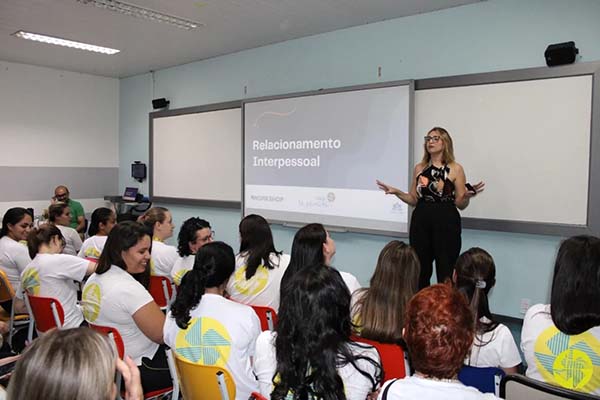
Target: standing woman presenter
438, 188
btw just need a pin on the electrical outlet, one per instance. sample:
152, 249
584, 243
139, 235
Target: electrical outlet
525, 304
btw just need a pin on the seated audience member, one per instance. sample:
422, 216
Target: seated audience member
52, 274
313, 245
72, 364
439, 331
77, 221
310, 355
59, 214
378, 311
200, 308
160, 222
103, 220
14, 257
494, 346
194, 233
113, 297
258, 266
561, 340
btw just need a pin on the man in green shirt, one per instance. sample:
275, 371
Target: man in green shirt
61, 193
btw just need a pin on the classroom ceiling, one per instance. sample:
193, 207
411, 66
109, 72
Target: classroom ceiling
228, 26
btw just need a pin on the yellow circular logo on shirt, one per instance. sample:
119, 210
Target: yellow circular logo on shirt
572, 362
204, 342
178, 276
254, 285
90, 300
31, 281
92, 252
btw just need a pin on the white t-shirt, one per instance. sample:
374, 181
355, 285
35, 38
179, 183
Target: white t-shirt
111, 299
52, 275
221, 332
570, 361
499, 349
163, 258
263, 288
14, 257
92, 247
182, 265
350, 281
417, 388
72, 240
356, 386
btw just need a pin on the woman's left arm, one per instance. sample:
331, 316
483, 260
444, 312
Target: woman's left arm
462, 196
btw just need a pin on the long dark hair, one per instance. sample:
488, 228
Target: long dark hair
257, 243
313, 337
475, 277
100, 216
187, 234
382, 305
307, 249
575, 297
13, 216
213, 265
121, 238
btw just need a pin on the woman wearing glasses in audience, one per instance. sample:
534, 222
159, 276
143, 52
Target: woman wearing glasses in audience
438, 188
259, 267
194, 234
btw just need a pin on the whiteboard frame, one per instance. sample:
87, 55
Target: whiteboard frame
410, 83
183, 111
592, 227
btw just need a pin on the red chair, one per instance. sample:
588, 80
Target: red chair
115, 336
394, 359
267, 316
161, 290
47, 313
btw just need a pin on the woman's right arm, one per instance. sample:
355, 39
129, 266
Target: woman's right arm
409, 197
150, 320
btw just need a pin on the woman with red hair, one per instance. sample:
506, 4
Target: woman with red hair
439, 329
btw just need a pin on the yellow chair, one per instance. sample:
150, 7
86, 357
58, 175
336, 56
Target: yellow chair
206, 382
8, 293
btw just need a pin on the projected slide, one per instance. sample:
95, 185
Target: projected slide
315, 158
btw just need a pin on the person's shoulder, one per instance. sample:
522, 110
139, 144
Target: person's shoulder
419, 167
536, 311
454, 166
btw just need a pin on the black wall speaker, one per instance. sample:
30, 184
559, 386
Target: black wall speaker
561, 54
160, 103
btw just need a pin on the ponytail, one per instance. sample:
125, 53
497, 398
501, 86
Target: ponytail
213, 265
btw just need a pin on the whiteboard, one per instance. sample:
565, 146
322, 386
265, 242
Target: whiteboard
528, 139
196, 155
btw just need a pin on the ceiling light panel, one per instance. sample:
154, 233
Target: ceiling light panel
64, 42
141, 12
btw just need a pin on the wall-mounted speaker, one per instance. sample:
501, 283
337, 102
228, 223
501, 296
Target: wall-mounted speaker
561, 54
157, 104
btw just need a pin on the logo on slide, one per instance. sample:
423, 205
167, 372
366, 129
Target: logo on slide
331, 197
254, 285
205, 342
31, 281
90, 300
572, 362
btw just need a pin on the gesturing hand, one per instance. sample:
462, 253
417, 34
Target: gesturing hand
476, 189
131, 376
386, 188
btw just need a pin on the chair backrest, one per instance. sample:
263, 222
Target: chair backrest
6, 290
204, 382
485, 379
47, 312
161, 290
519, 387
267, 316
394, 360
114, 335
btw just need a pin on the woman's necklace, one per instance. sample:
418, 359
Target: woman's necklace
433, 378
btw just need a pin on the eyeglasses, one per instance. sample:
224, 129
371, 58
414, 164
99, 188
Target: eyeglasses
207, 238
433, 139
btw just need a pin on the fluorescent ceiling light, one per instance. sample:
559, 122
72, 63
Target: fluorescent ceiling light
141, 12
64, 42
